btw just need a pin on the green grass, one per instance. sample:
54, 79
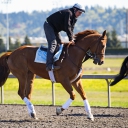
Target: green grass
112, 63
96, 91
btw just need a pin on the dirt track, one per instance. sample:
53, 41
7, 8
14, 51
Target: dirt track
16, 116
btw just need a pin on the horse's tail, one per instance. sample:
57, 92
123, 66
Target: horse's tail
122, 74
4, 69
123, 68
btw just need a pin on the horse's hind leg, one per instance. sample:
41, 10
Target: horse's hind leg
29, 84
28, 91
25, 88
79, 88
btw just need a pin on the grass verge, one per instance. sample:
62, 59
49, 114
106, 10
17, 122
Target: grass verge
96, 91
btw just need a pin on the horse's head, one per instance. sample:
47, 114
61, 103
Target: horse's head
92, 44
98, 48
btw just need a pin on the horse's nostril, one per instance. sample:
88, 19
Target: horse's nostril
102, 62
95, 61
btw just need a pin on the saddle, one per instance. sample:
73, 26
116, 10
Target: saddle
41, 54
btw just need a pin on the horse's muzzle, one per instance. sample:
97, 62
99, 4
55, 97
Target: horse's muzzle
97, 61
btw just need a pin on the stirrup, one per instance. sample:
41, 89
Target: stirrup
48, 69
55, 68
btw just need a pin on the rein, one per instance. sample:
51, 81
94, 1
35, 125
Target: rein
87, 53
72, 61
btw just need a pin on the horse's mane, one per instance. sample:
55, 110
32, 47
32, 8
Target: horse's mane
81, 35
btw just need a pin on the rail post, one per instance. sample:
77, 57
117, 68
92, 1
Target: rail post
109, 95
2, 95
53, 94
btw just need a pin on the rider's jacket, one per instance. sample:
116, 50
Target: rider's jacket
63, 20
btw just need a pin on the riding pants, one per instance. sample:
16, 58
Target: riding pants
52, 43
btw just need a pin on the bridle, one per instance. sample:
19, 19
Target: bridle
89, 53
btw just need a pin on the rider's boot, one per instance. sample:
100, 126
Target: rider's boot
49, 64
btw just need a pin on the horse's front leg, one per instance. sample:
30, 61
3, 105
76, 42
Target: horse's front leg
79, 88
67, 86
30, 107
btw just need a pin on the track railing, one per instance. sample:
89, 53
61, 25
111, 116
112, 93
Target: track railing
105, 77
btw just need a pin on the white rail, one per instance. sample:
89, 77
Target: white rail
106, 77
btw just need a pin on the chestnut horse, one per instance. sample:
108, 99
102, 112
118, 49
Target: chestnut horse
21, 64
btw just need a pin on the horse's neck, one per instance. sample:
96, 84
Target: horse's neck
78, 52
86, 43
76, 55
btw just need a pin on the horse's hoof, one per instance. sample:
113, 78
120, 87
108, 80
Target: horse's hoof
58, 111
33, 115
90, 117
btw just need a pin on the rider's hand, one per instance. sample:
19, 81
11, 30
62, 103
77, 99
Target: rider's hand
72, 42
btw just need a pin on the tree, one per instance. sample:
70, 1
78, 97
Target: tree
10, 44
108, 40
2, 45
27, 41
115, 43
112, 40
17, 44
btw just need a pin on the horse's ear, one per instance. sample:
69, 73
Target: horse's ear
104, 33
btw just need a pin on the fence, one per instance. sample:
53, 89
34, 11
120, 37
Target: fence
106, 77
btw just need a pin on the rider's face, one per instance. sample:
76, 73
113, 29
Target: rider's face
78, 13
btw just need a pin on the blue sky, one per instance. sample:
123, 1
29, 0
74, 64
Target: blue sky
30, 5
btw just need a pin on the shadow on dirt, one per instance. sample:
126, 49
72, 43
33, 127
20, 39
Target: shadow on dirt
107, 115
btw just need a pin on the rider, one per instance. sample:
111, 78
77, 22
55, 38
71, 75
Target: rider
63, 20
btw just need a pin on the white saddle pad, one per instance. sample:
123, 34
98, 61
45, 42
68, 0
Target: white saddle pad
42, 55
